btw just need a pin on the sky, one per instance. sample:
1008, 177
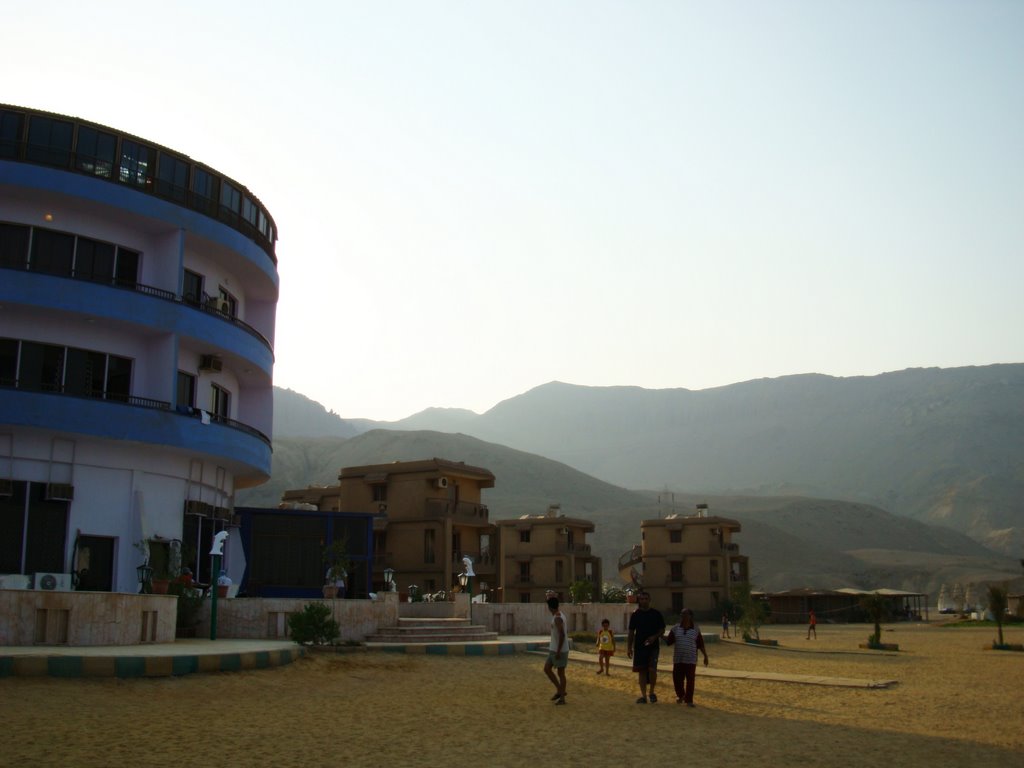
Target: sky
475, 198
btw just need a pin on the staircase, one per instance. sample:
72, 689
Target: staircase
433, 630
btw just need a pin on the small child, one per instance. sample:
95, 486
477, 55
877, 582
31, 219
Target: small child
605, 647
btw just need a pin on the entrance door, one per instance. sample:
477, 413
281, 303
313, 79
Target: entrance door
95, 563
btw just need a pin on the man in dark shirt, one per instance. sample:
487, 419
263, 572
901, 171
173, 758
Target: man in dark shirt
646, 626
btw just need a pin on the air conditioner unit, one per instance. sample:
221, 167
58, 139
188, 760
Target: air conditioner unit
60, 492
210, 363
52, 582
441, 482
6, 488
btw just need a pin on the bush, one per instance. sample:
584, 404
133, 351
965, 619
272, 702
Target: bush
313, 625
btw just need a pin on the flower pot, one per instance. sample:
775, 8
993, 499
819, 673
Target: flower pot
160, 586
222, 591
330, 591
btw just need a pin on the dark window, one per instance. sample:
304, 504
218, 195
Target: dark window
524, 597
524, 537
8, 365
95, 151
676, 570
677, 602
12, 528
127, 270
428, 545
13, 246
380, 492
559, 571
192, 287
42, 367
94, 260
10, 133
136, 164
249, 210
86, 373
220, 402
46, 532
119, 378
675, 537
52, 252
172, 178
230, 202
228, 304
714, 572
204, 191
186, 395
524, 572
49, 141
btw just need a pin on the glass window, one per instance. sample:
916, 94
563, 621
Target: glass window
204, 191
230, 200
186, 393
249, 210
42, 367
192, 287
13, 246
12, 528
429, 537
8, 362
559, 571
86, 372
94, 260
136, 164
49, 141
524, 537
95, 151
220, 401
675, 537
127, 270
10, 133
714, 571
52, 252
172, 178
119, 378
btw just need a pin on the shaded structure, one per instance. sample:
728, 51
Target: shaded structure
842, 605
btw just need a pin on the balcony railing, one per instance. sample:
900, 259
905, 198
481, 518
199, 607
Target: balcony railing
140, 402
159, 293
577, 549
461, 510
634, 556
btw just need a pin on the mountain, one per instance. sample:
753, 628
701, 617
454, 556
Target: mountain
295, 415
944, 446
791, 541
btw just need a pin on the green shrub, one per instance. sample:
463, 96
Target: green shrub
313, 625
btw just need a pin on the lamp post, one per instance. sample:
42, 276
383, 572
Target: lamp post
216, 551
145, 572
389, 579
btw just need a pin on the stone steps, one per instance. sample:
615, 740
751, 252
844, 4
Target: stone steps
432, 631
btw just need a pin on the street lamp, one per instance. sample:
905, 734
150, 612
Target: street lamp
389, 579
145, 573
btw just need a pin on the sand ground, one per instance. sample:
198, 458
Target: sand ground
955, 704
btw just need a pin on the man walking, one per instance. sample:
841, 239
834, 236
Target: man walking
643, 644
558, 652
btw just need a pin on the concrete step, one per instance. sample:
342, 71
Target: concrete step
461, 633
439, 623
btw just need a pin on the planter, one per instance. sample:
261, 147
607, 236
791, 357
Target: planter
880, 646
755, 641
330, 592
160, 586
1005, 647
222, 591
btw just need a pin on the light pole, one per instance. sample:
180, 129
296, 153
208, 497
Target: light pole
389, 579
466, 580
217, 550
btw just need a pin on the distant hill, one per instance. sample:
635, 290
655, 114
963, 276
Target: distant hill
791, 541
295, 415
944, 446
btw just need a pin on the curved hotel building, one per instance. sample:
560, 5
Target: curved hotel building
138, 291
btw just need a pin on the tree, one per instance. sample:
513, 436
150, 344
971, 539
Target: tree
581, 591
751, 611
613, 594
313, 625
997, 602
876, 606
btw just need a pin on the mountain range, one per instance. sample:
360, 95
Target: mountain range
837, 481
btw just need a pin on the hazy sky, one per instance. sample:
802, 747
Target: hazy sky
475, 198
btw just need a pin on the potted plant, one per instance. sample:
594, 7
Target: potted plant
337, 561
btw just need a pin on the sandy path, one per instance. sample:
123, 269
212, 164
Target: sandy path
955, 704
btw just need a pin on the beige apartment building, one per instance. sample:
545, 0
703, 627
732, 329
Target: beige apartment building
542, 552
686, 561
429, 514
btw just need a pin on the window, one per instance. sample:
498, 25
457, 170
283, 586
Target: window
8, 362
524, 536
220, 401
52, 252
677, 602
428, 545
559, 571
675, 537
524, 597
136, 164
119, 378
127, 270
456, 546
380, 492
33, 531
676, 571
714, 571
204, 191
524, 572
172, 178
228, 304
714, 598
49, 141
41, 367
86, 373
192, 287
230, 201
13, 246
185, 395
249, 210
94, 260
95, 151
10, 133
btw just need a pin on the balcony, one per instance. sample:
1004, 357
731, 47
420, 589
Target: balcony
461, 511
575, 549
631, 558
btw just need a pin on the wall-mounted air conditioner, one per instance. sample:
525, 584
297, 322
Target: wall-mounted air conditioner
210, 363
60, 492
441, 482
52, 582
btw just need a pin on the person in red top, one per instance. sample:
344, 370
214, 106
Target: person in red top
812, 625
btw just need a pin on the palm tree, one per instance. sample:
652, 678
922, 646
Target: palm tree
876, 606
997, 600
